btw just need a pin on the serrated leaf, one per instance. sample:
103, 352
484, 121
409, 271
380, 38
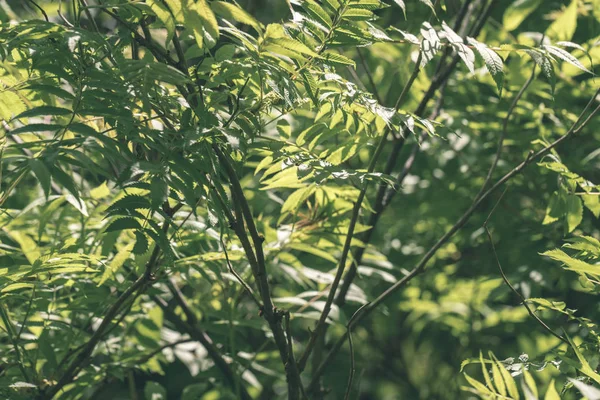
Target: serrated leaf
336, 58
573, 264
208, 18
295, 199
116, 263
585, 366
44, 110
159, 191
592, 202
545, 65
566, 56
230, 11
164, 15
317, 13
141, 243
292, 45
493, 63
42, 174
121, 224
36, 128
464, 52
574, 212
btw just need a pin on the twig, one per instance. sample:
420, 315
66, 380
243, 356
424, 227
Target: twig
319, 328
351, 349
256, 258
500, 146
505, 278
237, 276
579, 124
363, 61
12, 337
385, 194
291, 363
196, 333
36, 5
134, 290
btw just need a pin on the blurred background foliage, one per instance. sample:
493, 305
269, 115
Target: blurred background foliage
413, 347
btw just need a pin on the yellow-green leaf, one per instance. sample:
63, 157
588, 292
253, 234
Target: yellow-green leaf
563, 27
116, 263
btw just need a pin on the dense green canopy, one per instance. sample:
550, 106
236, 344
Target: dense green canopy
299, 199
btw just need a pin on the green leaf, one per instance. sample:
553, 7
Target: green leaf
100, 192
530, 385
293, 45
42, 174
517, 12
484, 371
551, 393
164, 15
545, 65
295, 199
585, 366
573, 264
510, 383
563, 27
464, 52
592, 202
557, 207
317, 13
337, 59
116, 263
159, 191
574, 212
121, 224
16, 286
479, 387
44, 110
36, 128
493, 63
230, 11
141, 243
566, 56
208, 18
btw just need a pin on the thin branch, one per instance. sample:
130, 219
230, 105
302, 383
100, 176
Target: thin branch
256, 258
36, 5
505, 278
500, 145
135, 289
291, 362
385, 194
319, 328
237, 276
363, 61
12, 337
193, 329
579, 124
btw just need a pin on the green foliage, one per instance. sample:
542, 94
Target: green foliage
202, 199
